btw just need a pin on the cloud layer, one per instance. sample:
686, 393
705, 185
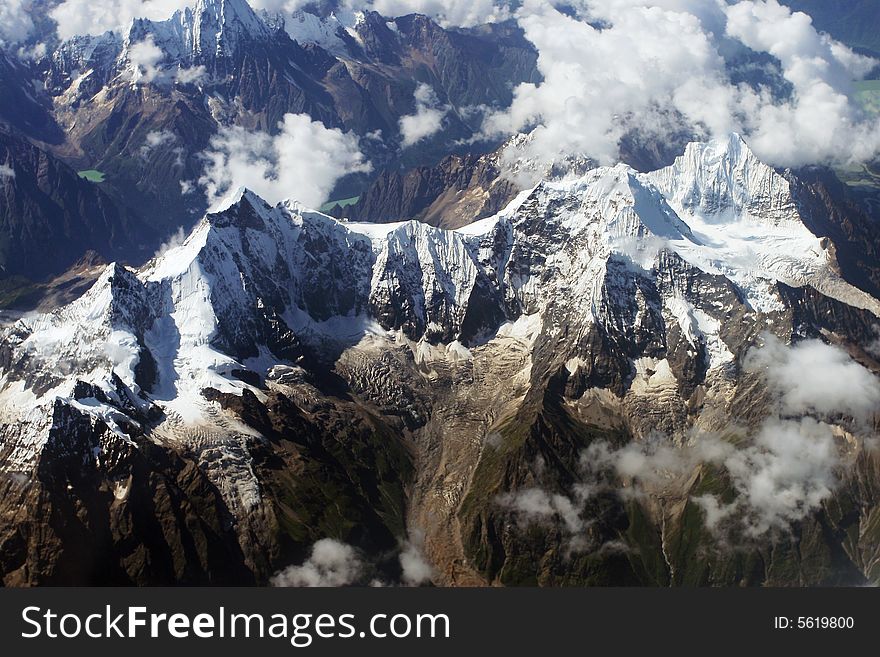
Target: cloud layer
464, 13
144, 58
786, 474
303, 162
80, 17
611, 67
661, 67
813, 377
415, 569
792, 464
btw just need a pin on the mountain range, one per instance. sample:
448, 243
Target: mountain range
281, 376
146, 123
475, 365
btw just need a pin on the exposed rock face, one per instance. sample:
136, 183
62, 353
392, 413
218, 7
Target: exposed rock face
283, 377
21, 109
459, 190
107, 508
50, 217
89, 103
828, 211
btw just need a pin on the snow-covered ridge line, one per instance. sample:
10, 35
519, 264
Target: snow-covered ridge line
255, 286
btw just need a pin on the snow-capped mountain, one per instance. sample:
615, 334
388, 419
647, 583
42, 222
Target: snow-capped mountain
211, 29
723, 181
620, 303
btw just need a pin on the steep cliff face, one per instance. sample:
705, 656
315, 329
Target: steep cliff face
50, 217
829, 210
460, 189
571, 391
23, 109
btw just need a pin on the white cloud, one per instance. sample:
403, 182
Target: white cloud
536, 504
33, 53
813, 377
715, 513
599, 83
156, 138
820, 121
143, 59
658, 66
654, 65
6, 171
781, 474
280, 6
786, 474
464, 13
791, 466
176, 239
81, 17
415, 570
302, 163
332, 563
781, 471
428, 119
654, 462
15, 21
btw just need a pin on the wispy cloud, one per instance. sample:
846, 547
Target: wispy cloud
82, 17
814, 377
415, 569
144, 58
780, 472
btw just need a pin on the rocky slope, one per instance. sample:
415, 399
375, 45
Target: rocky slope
460, 189
566, 392
221, 63
23, 109
142, 105
50, 217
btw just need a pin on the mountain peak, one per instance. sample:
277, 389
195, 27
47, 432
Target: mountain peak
243, 209
212, 28
722, 179
217, 26
729, 151
305, 27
